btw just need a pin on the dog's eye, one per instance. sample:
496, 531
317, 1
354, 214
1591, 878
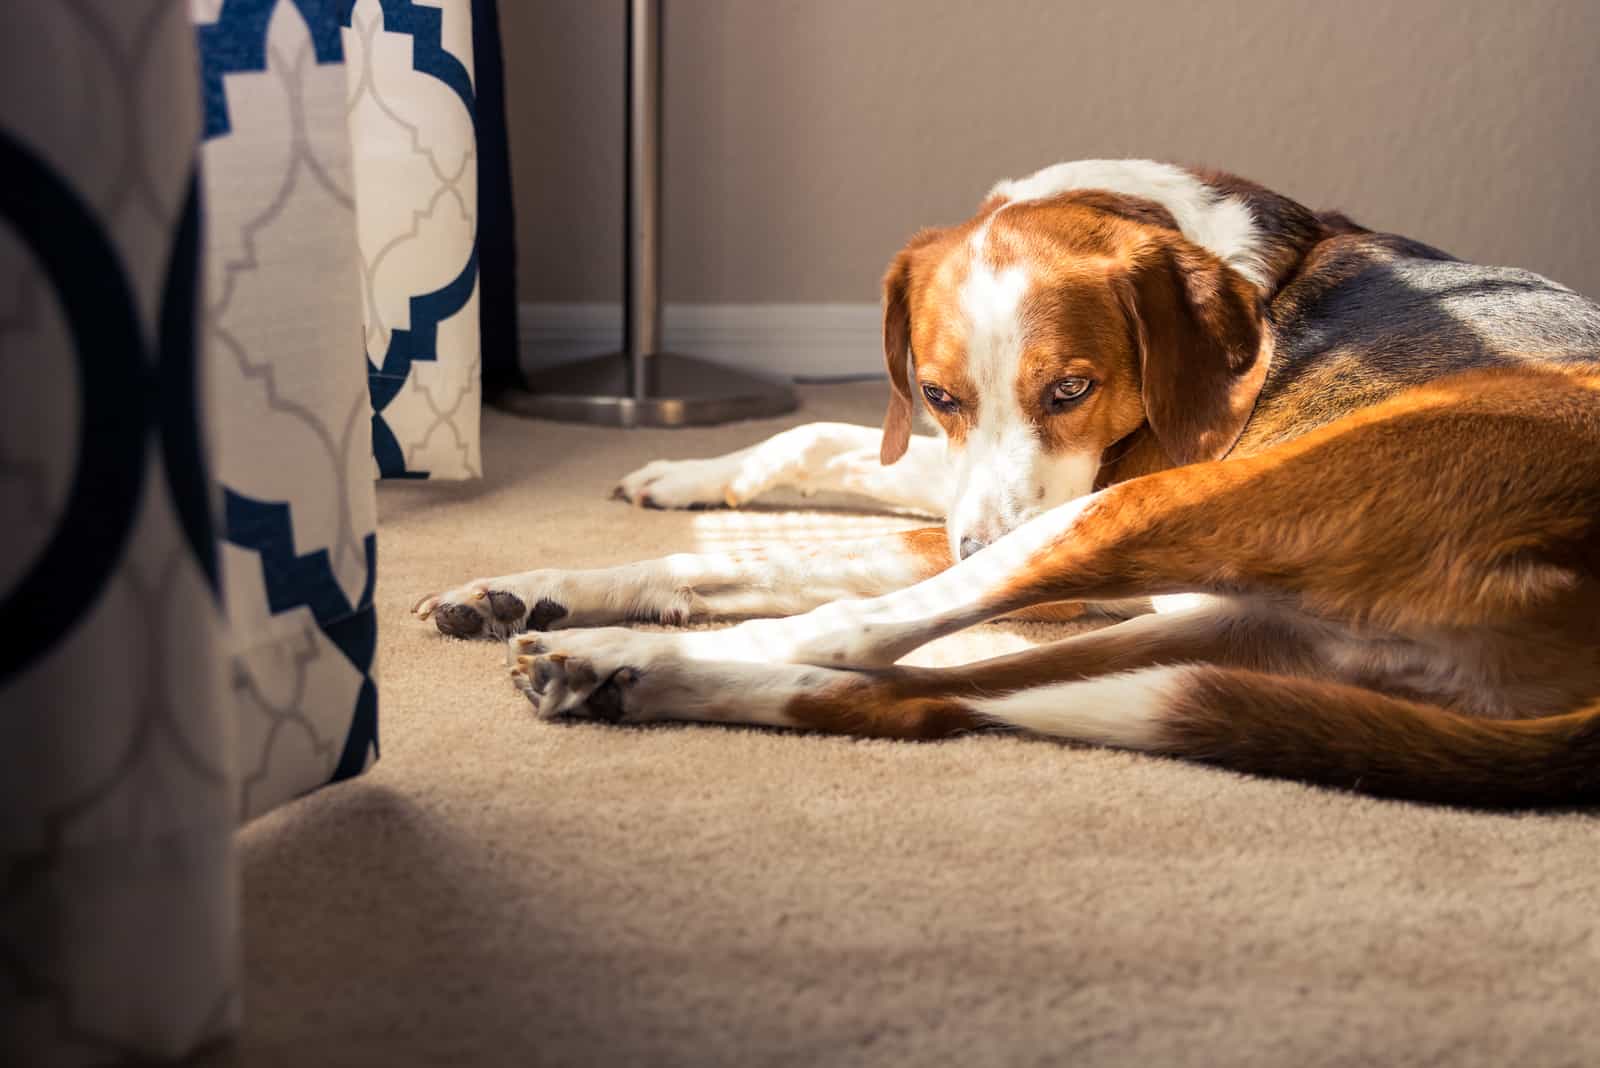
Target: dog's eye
1069, 391
939, 398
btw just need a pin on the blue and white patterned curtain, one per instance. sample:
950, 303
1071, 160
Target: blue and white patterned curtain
117, 750
259, 217
341, 188
412, 119
293, 420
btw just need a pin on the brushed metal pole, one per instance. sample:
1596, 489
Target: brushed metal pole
644, 386
641, 221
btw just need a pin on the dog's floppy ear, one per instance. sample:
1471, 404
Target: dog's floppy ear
897, 348
897, 356
1198, 330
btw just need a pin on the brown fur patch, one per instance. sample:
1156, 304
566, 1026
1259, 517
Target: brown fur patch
1201, 358
904, 288
871, 708
1075, 328
929, 547
1327, 509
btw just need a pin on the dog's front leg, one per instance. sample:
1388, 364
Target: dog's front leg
775, 581
759, 672
816, 457
1079, 550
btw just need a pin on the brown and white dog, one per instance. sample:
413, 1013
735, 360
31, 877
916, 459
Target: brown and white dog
1358, 480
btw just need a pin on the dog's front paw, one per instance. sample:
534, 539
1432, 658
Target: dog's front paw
714, 483
552, 600
497, 607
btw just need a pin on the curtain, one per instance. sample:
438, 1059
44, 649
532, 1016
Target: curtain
294, 424
412, 115
117, 776
239, 277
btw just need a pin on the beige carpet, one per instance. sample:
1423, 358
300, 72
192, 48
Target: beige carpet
504, 891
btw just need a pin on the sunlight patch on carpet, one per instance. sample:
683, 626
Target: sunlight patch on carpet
748, 529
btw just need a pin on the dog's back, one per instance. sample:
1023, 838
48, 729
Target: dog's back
1368, 315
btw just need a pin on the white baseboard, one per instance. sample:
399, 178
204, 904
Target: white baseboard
800, 341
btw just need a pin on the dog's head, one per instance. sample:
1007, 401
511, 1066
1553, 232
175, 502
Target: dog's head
1043, 336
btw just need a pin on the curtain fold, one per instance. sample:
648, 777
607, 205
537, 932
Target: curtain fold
282, 329
412, 129
497, 225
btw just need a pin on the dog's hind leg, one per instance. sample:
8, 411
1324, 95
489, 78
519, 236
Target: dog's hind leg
1231, 687
636, 676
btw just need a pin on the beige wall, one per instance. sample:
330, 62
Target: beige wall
806, 139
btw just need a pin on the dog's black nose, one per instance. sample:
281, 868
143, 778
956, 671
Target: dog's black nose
970, 546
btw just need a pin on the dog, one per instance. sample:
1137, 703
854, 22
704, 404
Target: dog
1355, 481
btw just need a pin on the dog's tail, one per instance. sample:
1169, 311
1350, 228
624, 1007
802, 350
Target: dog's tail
1338, 735
1353, 738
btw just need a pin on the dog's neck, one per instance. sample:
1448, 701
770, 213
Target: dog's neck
1260, 234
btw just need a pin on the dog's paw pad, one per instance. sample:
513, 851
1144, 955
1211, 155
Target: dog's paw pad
606, 702
545, 614
458, 620
506, 607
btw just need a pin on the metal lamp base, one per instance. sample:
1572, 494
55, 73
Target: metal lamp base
678, 391
642, 387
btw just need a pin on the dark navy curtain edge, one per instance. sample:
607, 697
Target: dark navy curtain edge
497, 252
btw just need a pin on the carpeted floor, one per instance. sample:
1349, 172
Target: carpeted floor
502, 891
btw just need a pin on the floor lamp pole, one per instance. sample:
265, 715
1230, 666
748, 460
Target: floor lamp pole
644, 386
641, 249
